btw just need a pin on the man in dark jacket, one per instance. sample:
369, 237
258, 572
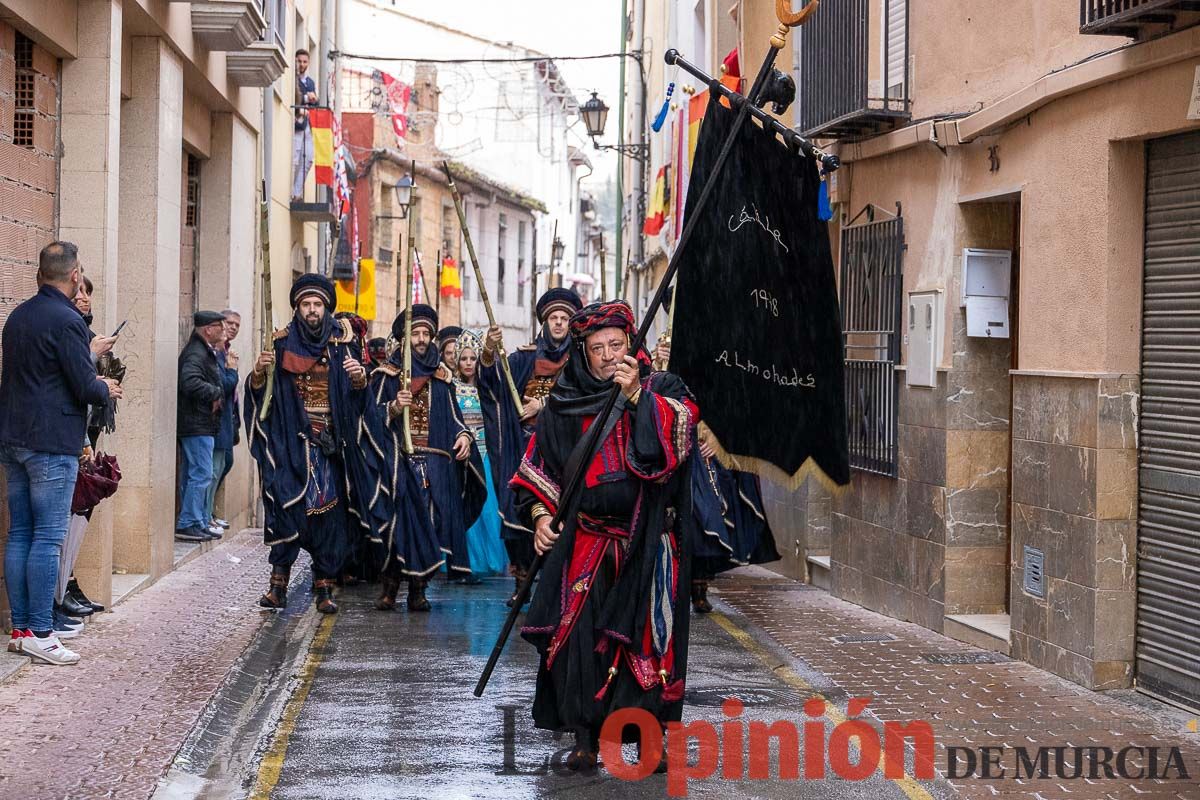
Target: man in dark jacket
48, 381
201, 395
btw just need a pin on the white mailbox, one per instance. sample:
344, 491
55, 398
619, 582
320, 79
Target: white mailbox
924, 337
986, 278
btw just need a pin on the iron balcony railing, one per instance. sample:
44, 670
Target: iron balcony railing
1136, 18
853, 69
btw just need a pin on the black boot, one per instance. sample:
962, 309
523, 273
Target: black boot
387, 596
416, 595
276, 596
519, 576
700, 602
74, 591
586, 754
73, 608
323, 596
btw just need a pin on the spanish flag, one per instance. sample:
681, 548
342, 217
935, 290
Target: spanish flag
657, 212
451, 284
321, 120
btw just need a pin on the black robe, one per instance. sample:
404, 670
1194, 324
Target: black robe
732, 527
613, 592
456, 488
281, 446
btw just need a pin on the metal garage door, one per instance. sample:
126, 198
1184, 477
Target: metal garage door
1168, 629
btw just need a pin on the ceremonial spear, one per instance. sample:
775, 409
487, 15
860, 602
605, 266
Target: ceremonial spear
406, 378
268, 324
483, 295
745, 105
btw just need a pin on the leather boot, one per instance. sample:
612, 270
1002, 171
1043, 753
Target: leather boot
73, 590
73, 608
387, 596
700, 602
323, 596
416, 595
276, 595
519, 575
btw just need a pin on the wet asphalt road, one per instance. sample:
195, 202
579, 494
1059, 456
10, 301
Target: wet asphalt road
383, 709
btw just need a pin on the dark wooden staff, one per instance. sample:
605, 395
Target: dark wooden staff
745, 105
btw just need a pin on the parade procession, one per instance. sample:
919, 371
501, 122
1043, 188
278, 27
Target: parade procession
385, 415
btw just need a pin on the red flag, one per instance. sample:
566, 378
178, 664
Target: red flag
321, 122
398, 95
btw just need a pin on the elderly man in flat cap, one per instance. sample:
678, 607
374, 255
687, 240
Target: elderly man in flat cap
308, 439
199, 418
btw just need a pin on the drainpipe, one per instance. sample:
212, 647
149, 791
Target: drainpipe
328, 23
639, 167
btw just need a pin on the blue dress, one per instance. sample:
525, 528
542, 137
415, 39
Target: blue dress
484, 545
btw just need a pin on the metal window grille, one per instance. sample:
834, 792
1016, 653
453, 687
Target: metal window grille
192, 213
872, 280
521, 271
23, 92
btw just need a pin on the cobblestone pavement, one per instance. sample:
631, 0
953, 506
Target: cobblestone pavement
109, 726
1008, 704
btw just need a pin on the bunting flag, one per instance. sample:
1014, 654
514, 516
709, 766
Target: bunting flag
398, 96
341, 182
418, 279
451, 282
321, 122
657, 211
757, 298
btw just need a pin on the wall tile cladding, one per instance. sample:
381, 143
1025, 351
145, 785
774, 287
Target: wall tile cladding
1074, 496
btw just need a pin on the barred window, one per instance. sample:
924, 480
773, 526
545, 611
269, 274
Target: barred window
192, 213
502, 251
23, 92
521, 271
872, 280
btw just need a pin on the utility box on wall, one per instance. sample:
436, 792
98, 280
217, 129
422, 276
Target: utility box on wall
924, 337
986, 277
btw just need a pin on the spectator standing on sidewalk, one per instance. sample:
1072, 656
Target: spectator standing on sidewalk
47, 367
302, 139
227, 433
201, 396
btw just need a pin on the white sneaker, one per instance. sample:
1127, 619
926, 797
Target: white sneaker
50, 650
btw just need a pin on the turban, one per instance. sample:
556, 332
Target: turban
422, 315
204, 318
448, 334
615, 314
558, 299
312, 285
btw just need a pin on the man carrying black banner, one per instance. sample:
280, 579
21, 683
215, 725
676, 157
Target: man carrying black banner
437, 489
535, 368
618, 636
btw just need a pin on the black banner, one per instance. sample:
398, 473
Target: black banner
757, 334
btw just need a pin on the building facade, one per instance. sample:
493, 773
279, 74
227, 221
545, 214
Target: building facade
1015, 240
502, 223
138, 131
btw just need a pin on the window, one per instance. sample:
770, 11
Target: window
386, 230
192, 212
23, 92
871, 283
522, 275
501, 252
277, 22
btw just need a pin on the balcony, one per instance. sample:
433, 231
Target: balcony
853, 75
260, 64
1137, 19
227, 25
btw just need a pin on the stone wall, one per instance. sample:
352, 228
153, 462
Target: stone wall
1074, 497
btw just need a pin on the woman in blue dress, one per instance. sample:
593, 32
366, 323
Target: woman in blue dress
485, 548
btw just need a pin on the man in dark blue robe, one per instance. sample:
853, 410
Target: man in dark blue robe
310, 447
535, 368
443, 474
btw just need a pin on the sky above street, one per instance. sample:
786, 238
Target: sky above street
554, 27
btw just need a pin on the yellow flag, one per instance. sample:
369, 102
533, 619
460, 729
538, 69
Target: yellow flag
366, 291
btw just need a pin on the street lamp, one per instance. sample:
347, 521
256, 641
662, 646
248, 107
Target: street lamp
557, 250
404, 190
595, 117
